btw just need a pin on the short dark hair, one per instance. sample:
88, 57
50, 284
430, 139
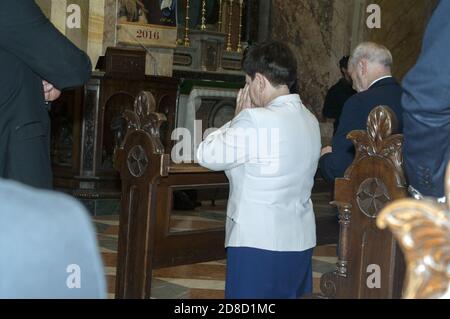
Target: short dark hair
274, 60
343, 63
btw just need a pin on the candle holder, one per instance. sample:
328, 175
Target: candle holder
203, 25
230, 25
187, 42
220, 17
241, 9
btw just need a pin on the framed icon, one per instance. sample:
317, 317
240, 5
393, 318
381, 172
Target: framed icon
147, 22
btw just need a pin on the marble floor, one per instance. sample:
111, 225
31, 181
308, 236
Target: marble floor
207, 280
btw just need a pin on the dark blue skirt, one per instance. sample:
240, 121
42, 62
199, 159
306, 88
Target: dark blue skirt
262, 274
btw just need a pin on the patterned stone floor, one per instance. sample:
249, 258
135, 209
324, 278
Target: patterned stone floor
206, 280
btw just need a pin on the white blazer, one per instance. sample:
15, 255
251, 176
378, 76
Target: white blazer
270, 156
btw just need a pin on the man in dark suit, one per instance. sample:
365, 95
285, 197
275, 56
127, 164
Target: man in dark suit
36, 62
427, 109
338, 94
370, 68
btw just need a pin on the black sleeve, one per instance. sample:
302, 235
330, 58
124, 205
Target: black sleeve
27, 34
331, 105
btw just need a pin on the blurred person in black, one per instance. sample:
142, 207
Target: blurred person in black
338, 94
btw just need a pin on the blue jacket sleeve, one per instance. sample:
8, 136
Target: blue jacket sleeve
426, 103
334, 165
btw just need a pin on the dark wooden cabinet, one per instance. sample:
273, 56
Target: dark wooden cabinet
87, 128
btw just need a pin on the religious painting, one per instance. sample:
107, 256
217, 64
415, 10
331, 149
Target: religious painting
157, 12
147, 22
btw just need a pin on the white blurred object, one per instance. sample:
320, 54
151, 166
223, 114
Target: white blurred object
166, 4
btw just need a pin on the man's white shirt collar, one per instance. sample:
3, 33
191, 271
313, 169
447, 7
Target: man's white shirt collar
378, 80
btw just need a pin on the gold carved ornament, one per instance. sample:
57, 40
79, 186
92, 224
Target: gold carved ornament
422, 228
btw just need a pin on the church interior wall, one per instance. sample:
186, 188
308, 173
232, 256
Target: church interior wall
402, 29
322, 31
319, 31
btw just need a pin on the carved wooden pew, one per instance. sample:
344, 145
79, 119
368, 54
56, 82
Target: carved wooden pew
370, 264
147, 240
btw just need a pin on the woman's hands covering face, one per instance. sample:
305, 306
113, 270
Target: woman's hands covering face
243, 100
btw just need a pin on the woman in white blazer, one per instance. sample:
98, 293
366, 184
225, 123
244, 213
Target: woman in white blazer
270, 152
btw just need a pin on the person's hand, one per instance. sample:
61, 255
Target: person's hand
243, 100
50, 92
326, 150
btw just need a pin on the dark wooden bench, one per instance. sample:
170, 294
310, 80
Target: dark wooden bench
147, 240
370, 263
